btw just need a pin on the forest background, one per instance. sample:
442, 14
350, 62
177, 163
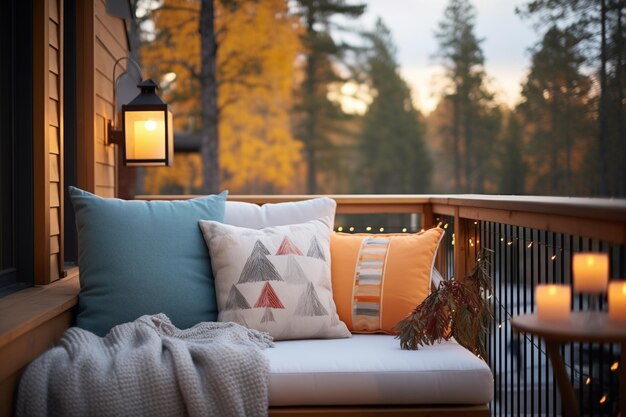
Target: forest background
270, 98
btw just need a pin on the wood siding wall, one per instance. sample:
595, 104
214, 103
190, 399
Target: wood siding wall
55, 133
102, 39
111, 44
48, 139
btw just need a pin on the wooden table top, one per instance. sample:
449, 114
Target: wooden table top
582, 326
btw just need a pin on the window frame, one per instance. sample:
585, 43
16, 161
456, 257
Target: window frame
17, 136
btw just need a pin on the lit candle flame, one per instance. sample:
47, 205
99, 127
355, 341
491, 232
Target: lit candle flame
150, 125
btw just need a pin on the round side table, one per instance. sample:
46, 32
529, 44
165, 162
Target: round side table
588, 327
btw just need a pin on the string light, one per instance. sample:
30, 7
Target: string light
471, 243
553, 257
588, 381
615, 366
368, 228
404, 230
351, 229
510, 242
445, 226
340, 229
603, 399
530, 245
382, 229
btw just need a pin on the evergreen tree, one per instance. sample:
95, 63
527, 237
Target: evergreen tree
556, 114
599, 25
315, 113
512, 167
471, 131
395, 159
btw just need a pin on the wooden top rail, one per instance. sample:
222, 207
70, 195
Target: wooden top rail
592, 208
597, 218
346, 204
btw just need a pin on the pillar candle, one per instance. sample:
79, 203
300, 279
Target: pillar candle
617, 301
591, 272
553, 302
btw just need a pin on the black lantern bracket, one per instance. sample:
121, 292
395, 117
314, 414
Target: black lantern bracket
115, 135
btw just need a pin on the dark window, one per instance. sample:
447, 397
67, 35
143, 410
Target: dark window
16, 147
69, 127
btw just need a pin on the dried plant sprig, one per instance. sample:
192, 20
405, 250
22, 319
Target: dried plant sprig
458, 309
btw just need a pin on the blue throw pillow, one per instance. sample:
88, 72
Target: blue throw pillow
143, 257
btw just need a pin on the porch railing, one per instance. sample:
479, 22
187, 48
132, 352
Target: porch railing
533, 239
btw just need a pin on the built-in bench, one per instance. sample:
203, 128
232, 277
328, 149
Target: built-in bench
366, 375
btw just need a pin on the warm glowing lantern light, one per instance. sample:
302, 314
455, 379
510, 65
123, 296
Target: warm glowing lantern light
553, 302
148, 129
617, 301
591, 272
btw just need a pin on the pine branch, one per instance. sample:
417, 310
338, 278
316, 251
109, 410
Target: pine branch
458, 309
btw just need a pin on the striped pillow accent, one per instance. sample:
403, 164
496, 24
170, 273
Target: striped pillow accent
368, 282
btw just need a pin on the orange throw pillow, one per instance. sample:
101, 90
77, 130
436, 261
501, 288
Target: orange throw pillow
379, 278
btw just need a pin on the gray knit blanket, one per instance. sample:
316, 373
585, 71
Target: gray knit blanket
150, 368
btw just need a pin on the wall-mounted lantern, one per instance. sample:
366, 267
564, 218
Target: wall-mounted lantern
147, 132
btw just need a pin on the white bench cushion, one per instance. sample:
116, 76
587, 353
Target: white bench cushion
372, 369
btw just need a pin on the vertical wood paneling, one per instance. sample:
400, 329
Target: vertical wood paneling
85, 73
111, 43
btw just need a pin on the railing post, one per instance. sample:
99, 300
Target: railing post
428, 218
462, 254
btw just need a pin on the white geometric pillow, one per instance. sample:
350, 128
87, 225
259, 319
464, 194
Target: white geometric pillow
275, 279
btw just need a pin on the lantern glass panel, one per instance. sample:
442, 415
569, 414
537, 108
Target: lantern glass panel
145, 134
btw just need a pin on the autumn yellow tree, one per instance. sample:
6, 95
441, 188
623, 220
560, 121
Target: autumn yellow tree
258, 44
